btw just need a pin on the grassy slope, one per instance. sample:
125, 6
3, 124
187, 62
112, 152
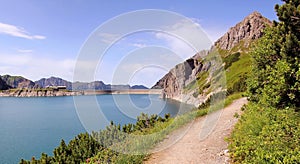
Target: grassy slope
236, 72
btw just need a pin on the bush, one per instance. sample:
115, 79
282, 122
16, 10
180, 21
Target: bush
265, 136
84, 146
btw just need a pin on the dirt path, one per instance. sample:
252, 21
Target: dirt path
194, 148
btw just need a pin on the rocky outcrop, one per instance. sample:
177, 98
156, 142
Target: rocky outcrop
37, 93
18, 82
249, 29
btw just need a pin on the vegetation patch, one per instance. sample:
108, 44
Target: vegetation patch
265, 136
202, 82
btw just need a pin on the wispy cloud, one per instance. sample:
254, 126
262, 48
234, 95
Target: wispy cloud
25, 51
108, 38
139, 45
17, 32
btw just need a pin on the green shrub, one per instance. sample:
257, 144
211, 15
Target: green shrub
265, 136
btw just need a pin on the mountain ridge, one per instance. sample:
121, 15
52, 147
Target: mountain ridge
19, 82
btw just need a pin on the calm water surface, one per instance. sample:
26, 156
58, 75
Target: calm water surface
30, 126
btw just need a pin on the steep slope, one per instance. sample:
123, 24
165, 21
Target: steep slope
194, 80
18, 82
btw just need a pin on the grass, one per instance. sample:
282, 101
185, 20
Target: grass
191, 86
202, 81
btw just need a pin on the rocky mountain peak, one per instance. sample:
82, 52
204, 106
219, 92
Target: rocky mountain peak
249, 29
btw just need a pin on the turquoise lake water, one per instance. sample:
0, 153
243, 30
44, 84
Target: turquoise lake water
30, 126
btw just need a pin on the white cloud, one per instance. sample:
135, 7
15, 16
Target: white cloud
25, 51
108, 38
17, 32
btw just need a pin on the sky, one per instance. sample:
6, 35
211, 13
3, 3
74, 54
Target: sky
46, 38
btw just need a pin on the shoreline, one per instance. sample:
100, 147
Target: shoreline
59, 93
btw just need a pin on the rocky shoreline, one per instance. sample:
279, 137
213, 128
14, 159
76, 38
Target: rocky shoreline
38, 93
56, 93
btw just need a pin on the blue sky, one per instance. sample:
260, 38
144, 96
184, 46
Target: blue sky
43, 38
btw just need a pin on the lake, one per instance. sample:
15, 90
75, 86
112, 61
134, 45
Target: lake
30, 126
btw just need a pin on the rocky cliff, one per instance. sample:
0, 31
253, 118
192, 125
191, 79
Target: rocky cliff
192, 81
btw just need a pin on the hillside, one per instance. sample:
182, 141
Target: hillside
194, 80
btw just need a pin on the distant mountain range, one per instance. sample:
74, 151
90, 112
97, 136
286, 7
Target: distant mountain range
8, 81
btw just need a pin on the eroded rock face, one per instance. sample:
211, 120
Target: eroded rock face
249, 29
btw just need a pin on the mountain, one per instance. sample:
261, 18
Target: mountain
53, 81
96, 85
8, 81
194, 80
79, 86
139, 87
18, 82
